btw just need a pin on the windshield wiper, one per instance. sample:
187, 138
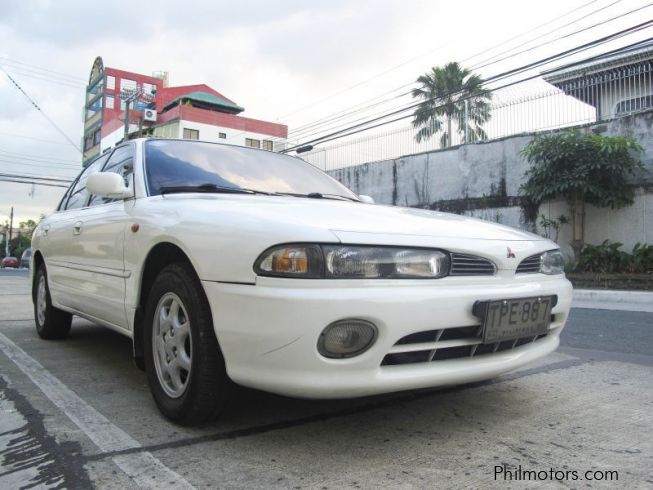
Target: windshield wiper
320, 195
210, 188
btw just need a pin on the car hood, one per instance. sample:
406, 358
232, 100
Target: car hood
344, 217
226, 233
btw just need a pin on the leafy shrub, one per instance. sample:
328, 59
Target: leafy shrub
642, 258
607, 258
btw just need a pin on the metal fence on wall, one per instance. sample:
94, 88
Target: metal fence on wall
566, 100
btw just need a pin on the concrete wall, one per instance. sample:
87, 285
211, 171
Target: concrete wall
483, 180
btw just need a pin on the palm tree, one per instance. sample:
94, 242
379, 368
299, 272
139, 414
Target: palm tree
453, 93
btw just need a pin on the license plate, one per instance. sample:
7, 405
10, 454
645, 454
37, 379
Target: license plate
511, 319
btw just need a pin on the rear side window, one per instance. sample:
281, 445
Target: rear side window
78, 195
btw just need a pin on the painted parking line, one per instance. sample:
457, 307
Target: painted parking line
142, 467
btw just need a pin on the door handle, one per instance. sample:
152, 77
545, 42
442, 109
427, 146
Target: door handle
77, 228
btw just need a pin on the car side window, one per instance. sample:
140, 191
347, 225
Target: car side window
78, 195
122, 163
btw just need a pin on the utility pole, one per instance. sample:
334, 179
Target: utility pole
127, 104
6, 241
8, 232
130, 96
11, 222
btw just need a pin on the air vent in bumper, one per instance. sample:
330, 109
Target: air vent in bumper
448, 343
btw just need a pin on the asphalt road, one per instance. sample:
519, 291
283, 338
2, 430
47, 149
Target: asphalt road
78, 414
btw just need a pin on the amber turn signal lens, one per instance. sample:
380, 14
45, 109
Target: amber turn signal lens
290, 260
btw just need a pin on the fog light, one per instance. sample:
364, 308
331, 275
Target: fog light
346, 338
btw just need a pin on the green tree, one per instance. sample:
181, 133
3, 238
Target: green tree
581, 168
28, 226
451, 93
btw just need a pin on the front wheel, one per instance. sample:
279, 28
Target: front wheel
184, 364
51, 323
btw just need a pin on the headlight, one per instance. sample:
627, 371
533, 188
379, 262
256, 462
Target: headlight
384, 262
552, 262
352, 262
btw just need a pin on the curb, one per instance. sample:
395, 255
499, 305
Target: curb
613, 299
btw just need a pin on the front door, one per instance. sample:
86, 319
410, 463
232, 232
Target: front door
99, 234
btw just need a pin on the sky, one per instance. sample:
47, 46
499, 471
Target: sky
289, 61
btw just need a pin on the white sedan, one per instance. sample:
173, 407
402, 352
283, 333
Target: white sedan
225, 263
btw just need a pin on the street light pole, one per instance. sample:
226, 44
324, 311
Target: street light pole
129, 97
127, 104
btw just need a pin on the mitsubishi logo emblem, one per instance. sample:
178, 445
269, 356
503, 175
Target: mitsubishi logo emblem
510, 254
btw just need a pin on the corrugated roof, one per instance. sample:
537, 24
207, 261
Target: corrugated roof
629, 55
204, 99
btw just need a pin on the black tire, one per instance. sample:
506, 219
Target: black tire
206, 385
51, 323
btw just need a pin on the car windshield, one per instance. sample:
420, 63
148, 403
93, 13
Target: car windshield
182, 166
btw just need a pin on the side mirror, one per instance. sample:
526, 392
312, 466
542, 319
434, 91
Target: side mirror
366, 199
108, 184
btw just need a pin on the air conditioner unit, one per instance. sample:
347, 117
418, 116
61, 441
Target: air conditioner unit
149, 115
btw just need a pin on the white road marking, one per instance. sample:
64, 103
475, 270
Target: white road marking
143, 468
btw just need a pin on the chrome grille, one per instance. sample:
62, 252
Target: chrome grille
529, 265
447, 343
471, 265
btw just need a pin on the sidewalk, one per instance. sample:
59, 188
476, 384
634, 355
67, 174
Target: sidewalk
613, 299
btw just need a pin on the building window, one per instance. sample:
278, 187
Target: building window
111, 82
109, 102
123, 104
267, 145
252, 143
127, 84
191, 134
149, 88
222, 136
88, 142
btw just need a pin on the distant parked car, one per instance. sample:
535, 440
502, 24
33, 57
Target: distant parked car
10, 262
228, 263
25, 258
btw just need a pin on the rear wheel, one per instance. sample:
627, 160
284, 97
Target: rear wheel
51, 323
184, 364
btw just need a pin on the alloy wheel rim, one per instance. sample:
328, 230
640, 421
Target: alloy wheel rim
41, 302
171, 345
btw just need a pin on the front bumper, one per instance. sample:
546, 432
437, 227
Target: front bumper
268, 332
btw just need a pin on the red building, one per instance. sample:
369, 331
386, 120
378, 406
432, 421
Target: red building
190, 111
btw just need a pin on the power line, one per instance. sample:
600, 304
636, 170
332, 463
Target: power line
36, 177
14, 135
38, 167
503, 86
534, 29
22, 181
36, 158
501, 76
39, 68
28, 74
567, 35
482, 52
302, 133
20, 89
